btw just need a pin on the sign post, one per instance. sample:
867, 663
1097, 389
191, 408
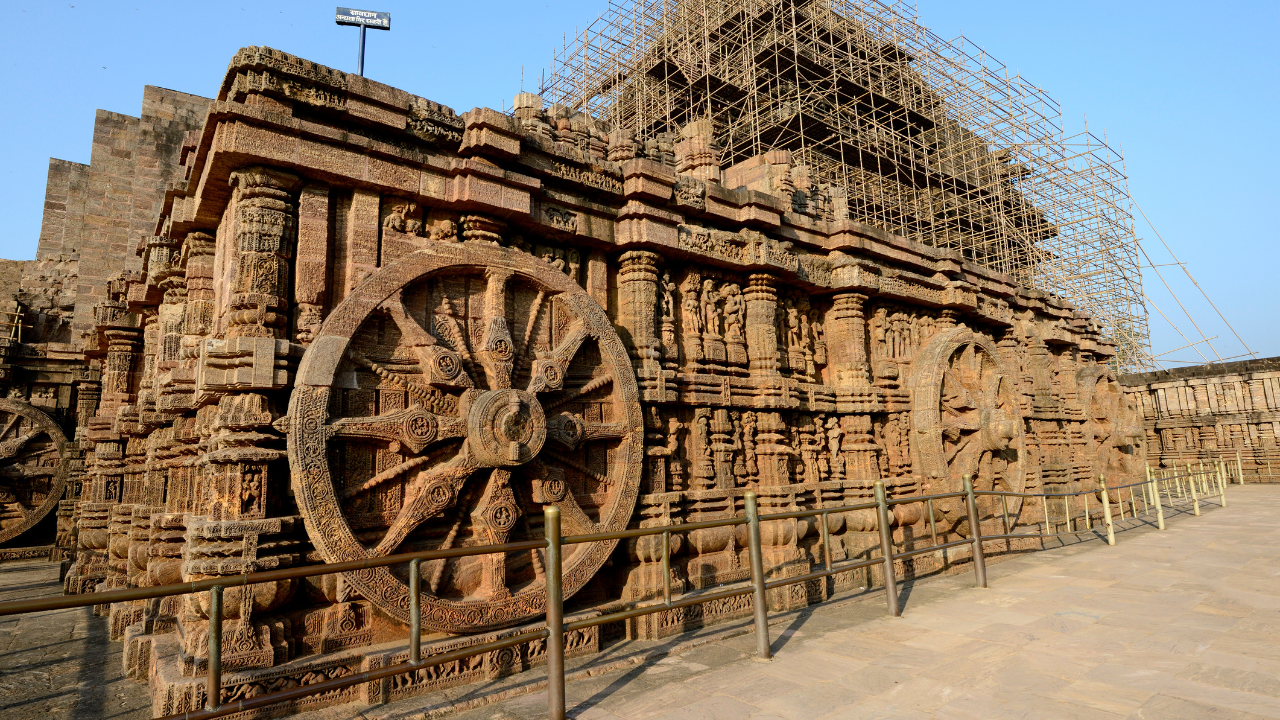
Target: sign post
363, 19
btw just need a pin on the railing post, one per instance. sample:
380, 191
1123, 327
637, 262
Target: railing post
975, 531
1222, 483
415, 611
886, 549
826, 542
666, 567
933, 528
213, 684
763, 651
1195, 497
1106, 511
1044, 505
1155, 493
1239, 468
555, 614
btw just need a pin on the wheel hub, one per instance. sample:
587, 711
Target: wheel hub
506, 428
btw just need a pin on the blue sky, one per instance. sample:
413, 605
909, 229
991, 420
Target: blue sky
1191, 91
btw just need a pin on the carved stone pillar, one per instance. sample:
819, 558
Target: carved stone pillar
88, 393
120, 518
638, 310
778, 538
92, 538
118, 368
266, 231
709, 550
761, 298
236, 526
311, 277
105, 466
847, 341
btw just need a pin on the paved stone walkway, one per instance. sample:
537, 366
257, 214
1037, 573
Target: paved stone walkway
59, 665
1175, 625
1178, 625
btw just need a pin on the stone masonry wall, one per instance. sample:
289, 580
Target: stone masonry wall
95, 215
1203, 412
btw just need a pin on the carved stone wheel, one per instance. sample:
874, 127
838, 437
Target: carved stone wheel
1113, 431
966, 420
33, 467
446, 402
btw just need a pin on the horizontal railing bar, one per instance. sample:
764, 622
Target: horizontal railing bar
923, 498
1012, 536
656, 530
819, 574
931, 548
229, 581
305, 691
688, 527
697, 599
815, 513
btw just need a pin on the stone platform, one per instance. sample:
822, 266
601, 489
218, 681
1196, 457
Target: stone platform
1179, 625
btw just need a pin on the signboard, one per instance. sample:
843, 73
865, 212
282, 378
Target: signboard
364, 18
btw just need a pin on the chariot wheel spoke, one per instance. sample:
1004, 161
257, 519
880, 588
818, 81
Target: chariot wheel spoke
426, 496
413, 428
497, 350
550, 369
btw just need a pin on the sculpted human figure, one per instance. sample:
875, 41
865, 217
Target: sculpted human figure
691, 306
834, 435
749, 442
820, 446
701, 457
793, 328
668, 297
739, 466
710, 308
879, 333
819, 340
733, 309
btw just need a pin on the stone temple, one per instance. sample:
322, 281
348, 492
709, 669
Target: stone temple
319, 319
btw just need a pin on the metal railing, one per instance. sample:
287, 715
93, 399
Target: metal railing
1257, 473
1196, 488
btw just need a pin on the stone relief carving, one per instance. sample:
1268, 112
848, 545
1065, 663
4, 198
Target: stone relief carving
466, 355
33, 466
456, 431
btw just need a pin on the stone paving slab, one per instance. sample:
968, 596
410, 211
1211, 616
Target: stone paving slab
60, 665
1181, 624
1174, 625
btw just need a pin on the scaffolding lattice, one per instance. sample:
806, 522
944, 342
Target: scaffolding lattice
931, 139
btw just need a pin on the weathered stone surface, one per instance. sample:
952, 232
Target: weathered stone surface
359, 323
1206, 412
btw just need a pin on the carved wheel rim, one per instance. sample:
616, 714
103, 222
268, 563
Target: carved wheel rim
966, 419
33, 467
1110, 424
513, 394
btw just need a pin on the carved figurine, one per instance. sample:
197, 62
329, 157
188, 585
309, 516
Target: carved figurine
710, 309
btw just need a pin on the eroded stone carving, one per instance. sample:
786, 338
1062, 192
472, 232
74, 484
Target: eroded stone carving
430, 327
